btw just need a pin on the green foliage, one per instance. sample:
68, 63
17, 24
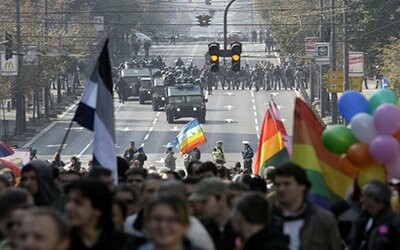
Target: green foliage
390, 57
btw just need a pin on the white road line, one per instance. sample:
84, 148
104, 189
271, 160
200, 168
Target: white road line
158, 114
257, 128
254, 107
155, 121
50, 126
146, 136
252, 93
85, 148
255, 121
253, 101
151, 129
255, 113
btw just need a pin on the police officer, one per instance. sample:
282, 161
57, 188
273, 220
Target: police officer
179, 62
218, 154
130, 152
247, 154
121, 87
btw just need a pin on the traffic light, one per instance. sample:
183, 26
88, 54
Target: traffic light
204, 20
8, 44
236, 49
213, 52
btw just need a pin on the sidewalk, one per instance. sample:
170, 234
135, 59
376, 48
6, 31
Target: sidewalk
327, 120
34, 124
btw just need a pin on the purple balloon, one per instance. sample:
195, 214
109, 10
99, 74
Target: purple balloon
387, 119
393, 168
384, 149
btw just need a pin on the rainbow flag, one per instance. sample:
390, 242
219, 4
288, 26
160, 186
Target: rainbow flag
191, 136
271, 148
329, 184
280, 125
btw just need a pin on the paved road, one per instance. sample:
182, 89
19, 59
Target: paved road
232, 116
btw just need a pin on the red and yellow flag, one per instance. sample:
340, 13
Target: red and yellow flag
329, 184
271, 148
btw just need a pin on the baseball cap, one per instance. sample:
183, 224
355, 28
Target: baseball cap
219, 142
209, 187
245, 142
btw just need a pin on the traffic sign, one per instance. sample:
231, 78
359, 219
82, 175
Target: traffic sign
9, 67
322, 53
310, 45
335, 81
356, 63
356, 83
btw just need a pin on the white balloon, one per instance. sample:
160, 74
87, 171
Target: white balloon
363, 127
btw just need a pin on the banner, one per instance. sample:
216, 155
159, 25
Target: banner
356, 63
21, 156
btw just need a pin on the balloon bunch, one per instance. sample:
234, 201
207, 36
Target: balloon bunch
369, 145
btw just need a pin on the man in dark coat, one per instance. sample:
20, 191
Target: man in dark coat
247, 154
378, 227
250, 218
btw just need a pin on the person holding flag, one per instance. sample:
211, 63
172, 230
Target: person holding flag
190, 137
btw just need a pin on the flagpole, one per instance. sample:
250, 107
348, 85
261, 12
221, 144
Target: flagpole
65, 136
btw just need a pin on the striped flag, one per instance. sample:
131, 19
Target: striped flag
271, 148
96, 113
5, 150
281, 126
329, 184
190, 137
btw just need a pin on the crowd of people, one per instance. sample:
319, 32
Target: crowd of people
203, 206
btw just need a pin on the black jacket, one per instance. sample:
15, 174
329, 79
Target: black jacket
109, 240
223, 240
266, 239
384, 233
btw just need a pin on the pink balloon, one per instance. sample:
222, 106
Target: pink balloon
384, 149
393, 168
387, 119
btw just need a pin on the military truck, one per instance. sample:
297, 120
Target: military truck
185, 100
158, 96
145, 89
132, 77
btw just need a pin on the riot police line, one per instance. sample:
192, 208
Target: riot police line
289, 74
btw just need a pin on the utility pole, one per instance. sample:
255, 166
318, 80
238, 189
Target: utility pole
345, 48
225, 37
333, 61
226, 27
46, 85
322, 89
19, 96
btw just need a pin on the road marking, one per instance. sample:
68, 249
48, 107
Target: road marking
255, 121
175, 128
146, 136
229, 107
252, 93
229, 120
55, 145
155, 121
158, 114
126, 129
253, 101
75, 128
85, 148
142, 145
50, 126
254, 107
151, 129
255, 113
